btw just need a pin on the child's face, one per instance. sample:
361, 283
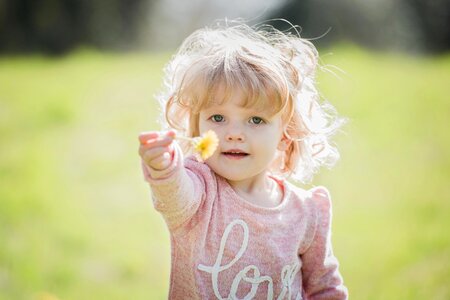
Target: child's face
248, 139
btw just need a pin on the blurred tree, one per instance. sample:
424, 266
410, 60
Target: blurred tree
412, 25
55, 26
170, 21
433, 18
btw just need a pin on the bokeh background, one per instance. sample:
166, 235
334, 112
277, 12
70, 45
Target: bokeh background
77, 85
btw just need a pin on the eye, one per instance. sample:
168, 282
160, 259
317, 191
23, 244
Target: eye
256, 120
217, 118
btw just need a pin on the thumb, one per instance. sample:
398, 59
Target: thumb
171, 133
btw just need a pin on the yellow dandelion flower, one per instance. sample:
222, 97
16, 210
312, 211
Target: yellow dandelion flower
206, 144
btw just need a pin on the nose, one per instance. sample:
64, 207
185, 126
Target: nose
234, 135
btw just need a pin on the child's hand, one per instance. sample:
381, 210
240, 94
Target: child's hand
155, 149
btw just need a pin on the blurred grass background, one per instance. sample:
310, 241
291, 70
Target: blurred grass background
76, 220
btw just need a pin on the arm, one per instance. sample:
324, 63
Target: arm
321, 276
176, 191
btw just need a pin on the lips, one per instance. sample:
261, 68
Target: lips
235, 153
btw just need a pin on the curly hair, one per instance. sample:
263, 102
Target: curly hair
275, 69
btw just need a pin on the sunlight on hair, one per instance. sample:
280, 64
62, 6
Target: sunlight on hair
273, 70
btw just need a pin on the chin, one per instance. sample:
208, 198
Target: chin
229, 174
235, 176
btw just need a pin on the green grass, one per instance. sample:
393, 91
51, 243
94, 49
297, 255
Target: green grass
76, 219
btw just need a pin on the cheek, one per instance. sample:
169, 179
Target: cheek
272, 144
204, 126
271, 136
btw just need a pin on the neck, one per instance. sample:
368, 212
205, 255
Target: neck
251, 185
262, 191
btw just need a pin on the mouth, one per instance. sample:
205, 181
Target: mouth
235, 154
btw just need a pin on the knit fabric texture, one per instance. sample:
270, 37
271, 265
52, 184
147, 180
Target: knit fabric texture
224, 247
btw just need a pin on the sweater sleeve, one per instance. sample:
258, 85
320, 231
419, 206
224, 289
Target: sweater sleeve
321, 276
177, 192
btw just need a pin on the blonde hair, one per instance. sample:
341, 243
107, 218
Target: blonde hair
275, 69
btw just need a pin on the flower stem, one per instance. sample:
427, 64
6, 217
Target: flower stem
184, 138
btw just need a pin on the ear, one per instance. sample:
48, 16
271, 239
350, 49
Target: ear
284, 143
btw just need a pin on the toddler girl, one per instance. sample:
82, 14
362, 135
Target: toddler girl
239, 229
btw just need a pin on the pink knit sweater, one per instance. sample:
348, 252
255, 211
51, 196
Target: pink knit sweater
224, 247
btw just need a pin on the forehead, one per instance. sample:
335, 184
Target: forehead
226, 97
234, 106
234, 79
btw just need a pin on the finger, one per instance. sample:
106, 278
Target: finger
149, 154
171, 133
159, 142
161, 162
145, 136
